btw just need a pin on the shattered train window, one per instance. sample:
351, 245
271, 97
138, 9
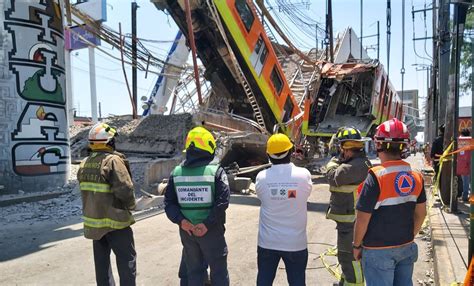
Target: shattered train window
288, 109
245, 13
276, 80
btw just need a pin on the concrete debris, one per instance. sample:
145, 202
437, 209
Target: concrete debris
427, 257
239, 184
57, 209
152, 136
159, 189
69, 204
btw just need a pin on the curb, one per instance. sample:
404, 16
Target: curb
439, 277
8, 200
446, 263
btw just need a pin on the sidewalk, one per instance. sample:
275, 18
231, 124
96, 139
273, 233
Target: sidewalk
450, 238
449, 234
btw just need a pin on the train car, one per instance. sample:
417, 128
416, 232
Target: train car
245, 34
350, 94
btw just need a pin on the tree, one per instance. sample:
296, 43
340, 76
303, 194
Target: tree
466, 54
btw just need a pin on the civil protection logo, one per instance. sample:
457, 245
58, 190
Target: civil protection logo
274, 192
404, 184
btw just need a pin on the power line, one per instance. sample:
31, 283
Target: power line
104, 77
389, 33
402, 70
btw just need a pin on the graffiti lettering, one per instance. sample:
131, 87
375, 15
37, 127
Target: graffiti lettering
37, 63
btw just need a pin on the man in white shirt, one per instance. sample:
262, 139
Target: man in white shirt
283, 190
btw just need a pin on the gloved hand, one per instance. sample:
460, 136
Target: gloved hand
333, 163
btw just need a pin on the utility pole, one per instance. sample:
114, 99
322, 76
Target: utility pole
444, 39
316, 40
378, 40
331, 39
93, 84
402, 70
443, 61
452, 107
361, 26
100, 111
431, 91
471, 199
328, 40
134, 59
429, 100
433, 95
389, 33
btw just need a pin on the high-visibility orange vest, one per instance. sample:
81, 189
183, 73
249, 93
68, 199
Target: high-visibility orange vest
398, 183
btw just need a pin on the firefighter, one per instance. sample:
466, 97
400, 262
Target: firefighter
196, 199
390, 212
107, 198
344, 174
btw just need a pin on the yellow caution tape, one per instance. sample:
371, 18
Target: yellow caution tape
446, 156
333, 270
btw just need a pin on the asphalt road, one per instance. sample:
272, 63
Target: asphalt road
57, 254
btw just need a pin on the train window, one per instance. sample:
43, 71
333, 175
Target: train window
385, 99
288, 109
263, 55
245, 13
276, 80
259, 55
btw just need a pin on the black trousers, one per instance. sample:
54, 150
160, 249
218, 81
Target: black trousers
351, 269
122, 244
210, 248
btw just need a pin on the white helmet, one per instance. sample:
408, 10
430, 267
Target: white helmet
101, 133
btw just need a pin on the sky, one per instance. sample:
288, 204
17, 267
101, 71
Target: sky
156, 25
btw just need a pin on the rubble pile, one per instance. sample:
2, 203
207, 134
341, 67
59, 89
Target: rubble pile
58, 209
141, 140
427, 257
152, 136
290, 64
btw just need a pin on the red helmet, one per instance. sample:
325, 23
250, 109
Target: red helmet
392, 131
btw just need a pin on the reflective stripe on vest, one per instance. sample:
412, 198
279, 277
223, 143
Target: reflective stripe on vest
105, 223
187, 179
95, 187
395, 201
381, 171
195, 189
341, 218
344, 189
398, 183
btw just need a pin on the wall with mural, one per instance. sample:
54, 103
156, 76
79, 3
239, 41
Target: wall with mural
34, 147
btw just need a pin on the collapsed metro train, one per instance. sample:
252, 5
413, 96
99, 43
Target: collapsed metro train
350, 94
354, 94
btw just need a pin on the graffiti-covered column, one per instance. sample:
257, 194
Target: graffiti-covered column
34, 148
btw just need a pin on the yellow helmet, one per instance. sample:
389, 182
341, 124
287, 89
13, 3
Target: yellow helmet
349, 138
278, 143
201, 139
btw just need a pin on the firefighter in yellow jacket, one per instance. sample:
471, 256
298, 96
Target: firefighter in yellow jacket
344, 174
107, 198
